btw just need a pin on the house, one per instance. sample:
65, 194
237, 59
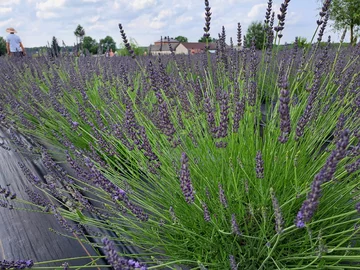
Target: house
163, 49
166, 40
193, 47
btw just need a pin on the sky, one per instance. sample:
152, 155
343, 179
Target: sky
37, 21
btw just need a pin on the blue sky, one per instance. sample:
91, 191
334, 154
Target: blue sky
37, 21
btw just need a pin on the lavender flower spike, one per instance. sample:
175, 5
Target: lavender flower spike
206, 212
20, 264
279, 221
233, 264
310, 205
111, 255
116, 261
284, 110
259, 165
185, 180
234, 225
222, 196
126, 42
207, 19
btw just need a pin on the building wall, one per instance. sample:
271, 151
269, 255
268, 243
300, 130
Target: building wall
165, 42
181, 49
160, 52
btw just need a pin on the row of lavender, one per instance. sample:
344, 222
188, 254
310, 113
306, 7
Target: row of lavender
236, 159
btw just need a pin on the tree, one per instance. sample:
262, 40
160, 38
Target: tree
55, 48
79, 33
181, 39
209, 39
90, 44
108, 43
256, 32
2, 46
346, 14
134, 46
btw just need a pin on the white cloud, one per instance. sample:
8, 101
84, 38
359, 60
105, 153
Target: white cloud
50, 5
4, 10
146, 20
141, 4
164, 13
292, 18
9, 2
11, 23
94, 19
6, 23
46, 15
256, 10
183, 19
97, 26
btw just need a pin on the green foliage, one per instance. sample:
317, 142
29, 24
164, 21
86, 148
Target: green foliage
256, 135
209, 39
181, 39
107, 43
182, 235
79, 33
346, 15
134, 46
90, 44
302, 42
256, 32
2, 46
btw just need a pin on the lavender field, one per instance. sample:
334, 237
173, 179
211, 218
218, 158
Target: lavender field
239, 159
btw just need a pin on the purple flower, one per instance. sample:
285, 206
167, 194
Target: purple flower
224, 116
268, 12
353, 167
239, 41
19, 264
210, 116
238, 114
234, 226
117, 262
259, 165
233, 264
222, 196
357, 207
311, 203
284, 111
185, 180
126, 42
281, 17
207, 20
111, 255
206, 212
279, 221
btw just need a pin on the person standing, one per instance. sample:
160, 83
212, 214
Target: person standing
14, 45
111, 53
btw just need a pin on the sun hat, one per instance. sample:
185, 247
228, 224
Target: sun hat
10, 30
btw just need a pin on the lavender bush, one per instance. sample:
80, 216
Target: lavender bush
239, 159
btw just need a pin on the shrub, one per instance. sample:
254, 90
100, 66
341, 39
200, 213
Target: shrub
238, 159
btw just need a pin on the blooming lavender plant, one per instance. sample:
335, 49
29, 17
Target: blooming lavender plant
141, 136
